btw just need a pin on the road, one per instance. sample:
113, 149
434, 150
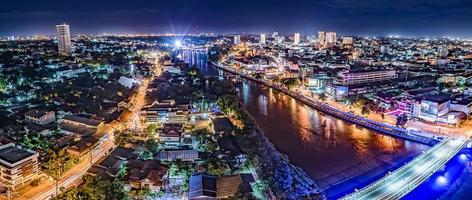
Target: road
73, 176
403, 180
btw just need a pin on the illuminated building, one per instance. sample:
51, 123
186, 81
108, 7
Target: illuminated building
18, 166
237, 39
263, 38
275, 34
63, 40
330, 38
347, 40
321, 38
347, 77
296, 38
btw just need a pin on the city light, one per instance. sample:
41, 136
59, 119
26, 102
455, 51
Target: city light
178, 43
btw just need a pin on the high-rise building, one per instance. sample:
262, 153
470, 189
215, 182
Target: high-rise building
321, 38
63, 40
263, 38
275, 34
296, 38
237, 39
330, 38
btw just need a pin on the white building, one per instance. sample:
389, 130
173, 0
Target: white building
18, 166
275, 34
347, 77
263, 39
63, 40
296, 38
237, 39
321, 38
330, 38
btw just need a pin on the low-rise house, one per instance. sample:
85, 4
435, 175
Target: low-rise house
204, 186
18, 166
181, 154
40, 116
82, 122
37, 129
171, 134
82, 148
122, 153
75, 131
146, 173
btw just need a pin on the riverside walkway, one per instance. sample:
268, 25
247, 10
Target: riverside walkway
350, 117
403, 180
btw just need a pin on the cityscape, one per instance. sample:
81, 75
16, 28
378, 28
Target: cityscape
198, 100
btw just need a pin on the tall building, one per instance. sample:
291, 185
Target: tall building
296, 38
330, 38
321, 38
263, 38
237, 39
275, 34
350, 77
63, 40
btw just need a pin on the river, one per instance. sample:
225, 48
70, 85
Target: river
338, 155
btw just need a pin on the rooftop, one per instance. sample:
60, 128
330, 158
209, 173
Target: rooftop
82, 120
13, 154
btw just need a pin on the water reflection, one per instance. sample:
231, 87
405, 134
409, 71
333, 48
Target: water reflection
322, 145
328, 149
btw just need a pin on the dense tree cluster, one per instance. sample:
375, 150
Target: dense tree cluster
96, 188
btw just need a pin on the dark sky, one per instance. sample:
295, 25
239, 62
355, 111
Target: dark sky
360, 17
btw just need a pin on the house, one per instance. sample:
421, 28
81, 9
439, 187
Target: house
146, 173
122, 153
82, 148
181, 154
75, 131
41, 117
204, 186
37, 129
82, 122
112, 165
170, 134
18, 166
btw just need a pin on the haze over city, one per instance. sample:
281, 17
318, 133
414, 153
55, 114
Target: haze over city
353, 17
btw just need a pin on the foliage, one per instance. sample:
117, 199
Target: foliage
151, 145
58, 162
290, 82
96, 188
205, 141
123, 138
35, 142
151, 130
219, 168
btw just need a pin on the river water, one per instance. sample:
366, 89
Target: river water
338, 155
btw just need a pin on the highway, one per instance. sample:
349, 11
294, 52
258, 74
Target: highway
403, 180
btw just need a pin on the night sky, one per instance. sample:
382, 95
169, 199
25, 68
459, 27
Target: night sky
357, 17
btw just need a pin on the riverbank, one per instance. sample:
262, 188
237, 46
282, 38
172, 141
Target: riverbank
284, 180
383, 128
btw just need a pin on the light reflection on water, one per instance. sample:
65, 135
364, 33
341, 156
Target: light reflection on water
328, 149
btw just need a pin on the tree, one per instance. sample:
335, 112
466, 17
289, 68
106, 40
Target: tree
3, 84
151, 129
96, 188
57, 163
151, 145
123, 138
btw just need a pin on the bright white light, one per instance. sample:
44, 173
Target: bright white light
178, 43
441, 180
463, 157
396, 186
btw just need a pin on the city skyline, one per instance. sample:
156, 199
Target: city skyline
374, 18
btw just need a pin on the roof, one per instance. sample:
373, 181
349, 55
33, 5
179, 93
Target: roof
85, 144
202, 185
438, 98
122, 152
152, 170
76, 129
83, 120
36, 113
12, 153
221, 124
177, 155
231, 185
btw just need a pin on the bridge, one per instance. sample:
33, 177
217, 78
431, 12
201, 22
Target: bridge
403, 180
